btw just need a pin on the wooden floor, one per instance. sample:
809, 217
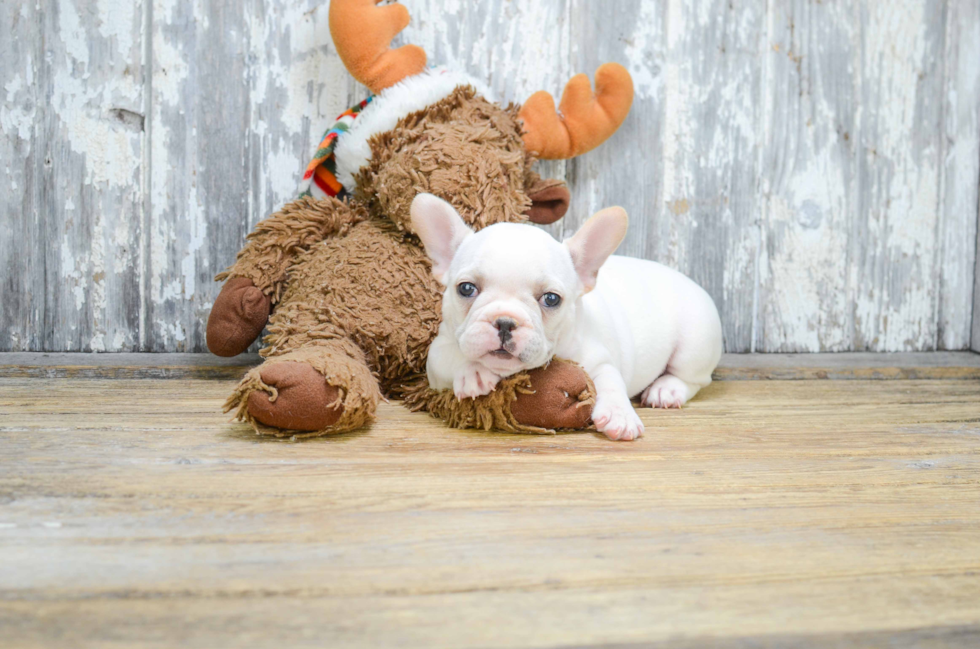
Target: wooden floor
768, 513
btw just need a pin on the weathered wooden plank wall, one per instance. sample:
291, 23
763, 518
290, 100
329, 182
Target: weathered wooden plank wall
814, 165
684, 163
961, 164
963, 116
71, 152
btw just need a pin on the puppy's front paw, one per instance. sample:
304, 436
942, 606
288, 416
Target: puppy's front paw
474, 381
618, 421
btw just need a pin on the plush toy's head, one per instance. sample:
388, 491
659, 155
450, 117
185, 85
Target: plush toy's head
435, 131
462, 148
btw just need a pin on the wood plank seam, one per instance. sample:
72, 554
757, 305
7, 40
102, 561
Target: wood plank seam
146, 207
975, 334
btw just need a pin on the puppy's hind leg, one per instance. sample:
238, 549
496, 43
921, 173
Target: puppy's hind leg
668, 391
688, 371
694, 359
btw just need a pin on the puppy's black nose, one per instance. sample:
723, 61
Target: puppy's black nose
504, 327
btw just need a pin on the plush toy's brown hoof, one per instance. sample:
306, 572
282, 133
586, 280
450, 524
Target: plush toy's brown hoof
557, 400
237, 317
305, 401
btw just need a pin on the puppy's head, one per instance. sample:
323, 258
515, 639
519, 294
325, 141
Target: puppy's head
511, 290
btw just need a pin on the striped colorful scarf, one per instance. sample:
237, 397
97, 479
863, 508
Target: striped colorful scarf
320, 179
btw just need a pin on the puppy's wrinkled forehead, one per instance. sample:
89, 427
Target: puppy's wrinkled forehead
514, 254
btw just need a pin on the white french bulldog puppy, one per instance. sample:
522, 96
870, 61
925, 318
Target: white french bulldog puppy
515, 298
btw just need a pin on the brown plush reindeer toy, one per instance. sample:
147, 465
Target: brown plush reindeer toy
354, 305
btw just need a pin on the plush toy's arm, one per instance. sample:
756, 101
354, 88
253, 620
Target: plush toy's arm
276, 241
255, 281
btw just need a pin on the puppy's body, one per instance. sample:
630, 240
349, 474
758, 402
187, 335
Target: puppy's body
646, 319
516, 297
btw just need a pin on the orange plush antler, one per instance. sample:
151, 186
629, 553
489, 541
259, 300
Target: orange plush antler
584, 120
362, 33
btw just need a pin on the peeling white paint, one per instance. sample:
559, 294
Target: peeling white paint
18, 112
123, 248
68, 270
97, 297
107, 148
72, 33
678, 129
958, 276
283, 172
641, 52
906, 171
516, 48
170, 72
118, 18
295, 97
171, 334
97, 343
197, 228
120, 342
164, 11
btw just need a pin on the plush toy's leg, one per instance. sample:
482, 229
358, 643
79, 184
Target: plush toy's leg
561, 398
322, 388
558, 396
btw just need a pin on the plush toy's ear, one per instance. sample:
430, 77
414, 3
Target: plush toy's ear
595, 241
550, 199
441, 229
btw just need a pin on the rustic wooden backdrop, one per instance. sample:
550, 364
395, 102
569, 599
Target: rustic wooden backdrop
814, 164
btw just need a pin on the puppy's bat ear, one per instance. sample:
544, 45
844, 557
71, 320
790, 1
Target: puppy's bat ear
595, 241
441, 230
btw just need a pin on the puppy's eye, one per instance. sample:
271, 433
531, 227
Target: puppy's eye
551, 300
467, 289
